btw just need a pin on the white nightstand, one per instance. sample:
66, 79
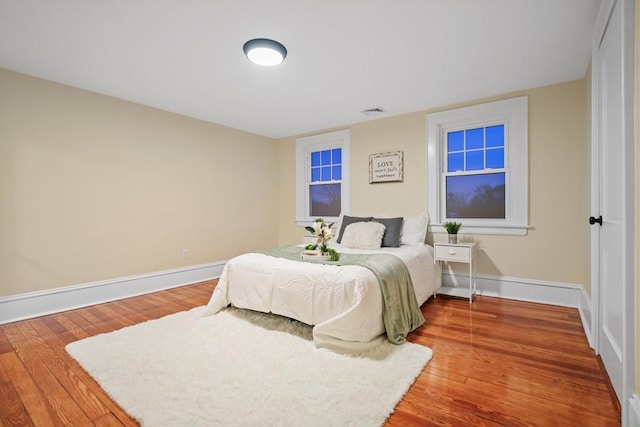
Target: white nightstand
458, 252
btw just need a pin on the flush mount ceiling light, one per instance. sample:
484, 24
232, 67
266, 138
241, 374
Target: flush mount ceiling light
264, 52
375, 111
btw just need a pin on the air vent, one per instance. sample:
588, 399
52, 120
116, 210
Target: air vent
375, 111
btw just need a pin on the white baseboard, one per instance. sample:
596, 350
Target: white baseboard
554, 293
34, 304
586, 316
26, 306
634, 411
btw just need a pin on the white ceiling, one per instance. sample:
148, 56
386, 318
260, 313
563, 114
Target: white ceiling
344, 56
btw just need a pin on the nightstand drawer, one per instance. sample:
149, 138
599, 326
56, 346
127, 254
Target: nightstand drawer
453, 253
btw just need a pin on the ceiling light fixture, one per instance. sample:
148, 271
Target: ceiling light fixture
264, 52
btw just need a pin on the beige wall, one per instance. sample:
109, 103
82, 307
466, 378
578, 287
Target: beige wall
95, 188
555, 249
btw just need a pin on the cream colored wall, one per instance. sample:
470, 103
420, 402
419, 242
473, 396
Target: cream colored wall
555, 249
94, 188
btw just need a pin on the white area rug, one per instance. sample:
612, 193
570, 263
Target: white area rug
241, 368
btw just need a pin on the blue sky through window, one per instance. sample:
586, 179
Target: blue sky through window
475, 149
326, 165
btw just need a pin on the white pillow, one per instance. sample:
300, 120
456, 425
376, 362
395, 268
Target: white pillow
414, 230
363, 235
336, 226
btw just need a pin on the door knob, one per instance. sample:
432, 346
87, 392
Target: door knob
593, 220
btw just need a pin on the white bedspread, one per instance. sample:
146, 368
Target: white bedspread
343, 302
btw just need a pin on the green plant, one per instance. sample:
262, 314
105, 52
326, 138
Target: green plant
452, 227
333, 255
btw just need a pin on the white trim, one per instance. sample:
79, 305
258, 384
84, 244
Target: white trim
601, 24
634, 411
514, 113
607, 9
586, 316
531, 290
34, 304
304, 146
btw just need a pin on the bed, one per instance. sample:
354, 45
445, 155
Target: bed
344, 303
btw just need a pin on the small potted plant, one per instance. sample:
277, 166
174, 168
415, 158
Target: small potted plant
452, 228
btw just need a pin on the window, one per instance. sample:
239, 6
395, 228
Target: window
322, 176
475, 174
325, 194
477, 167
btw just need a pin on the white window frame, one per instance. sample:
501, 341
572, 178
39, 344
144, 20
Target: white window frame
304, 147
514, 114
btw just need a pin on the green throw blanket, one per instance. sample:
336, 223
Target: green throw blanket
400, 311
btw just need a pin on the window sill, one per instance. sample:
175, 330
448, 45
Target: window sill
309, 222
500, 230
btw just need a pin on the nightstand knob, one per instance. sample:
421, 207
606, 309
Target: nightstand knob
452, 252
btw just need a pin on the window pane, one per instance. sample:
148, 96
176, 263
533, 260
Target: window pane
476, 196
325, 200
315, 158
495, 158
336, 156
474, 138
315, 174
475, 160
495, 136
455, 141
336, 173
326, 173
326, 157
455, 162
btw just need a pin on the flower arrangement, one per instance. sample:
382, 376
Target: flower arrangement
323, 232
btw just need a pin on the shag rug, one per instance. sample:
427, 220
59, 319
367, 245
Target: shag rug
242, 368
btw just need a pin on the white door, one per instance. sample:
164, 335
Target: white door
615, 204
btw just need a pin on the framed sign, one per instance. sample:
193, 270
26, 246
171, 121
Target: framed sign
385, 167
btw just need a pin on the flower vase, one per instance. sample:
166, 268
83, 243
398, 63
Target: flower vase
453, 238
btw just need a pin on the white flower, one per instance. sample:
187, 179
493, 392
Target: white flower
320, 229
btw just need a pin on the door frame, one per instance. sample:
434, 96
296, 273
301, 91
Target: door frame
628, 356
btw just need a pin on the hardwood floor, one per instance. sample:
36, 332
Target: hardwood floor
496, 363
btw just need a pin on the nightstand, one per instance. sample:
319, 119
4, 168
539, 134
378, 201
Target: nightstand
458, 252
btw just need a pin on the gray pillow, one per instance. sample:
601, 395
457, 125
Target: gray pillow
393, 232
346, 220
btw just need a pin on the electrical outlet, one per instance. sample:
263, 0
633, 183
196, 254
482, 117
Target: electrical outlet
185, 254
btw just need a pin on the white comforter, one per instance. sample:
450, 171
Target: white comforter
343, 302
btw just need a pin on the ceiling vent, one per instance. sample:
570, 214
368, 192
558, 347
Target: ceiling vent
375, 111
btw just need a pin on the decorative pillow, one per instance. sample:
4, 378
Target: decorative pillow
414, 230
393, 232
346, 220
363, 235
337, 225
